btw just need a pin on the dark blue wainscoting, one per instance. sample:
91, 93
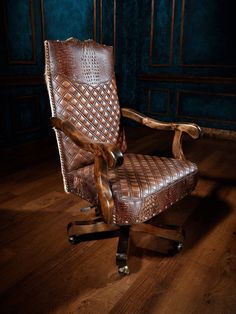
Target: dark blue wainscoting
174, 59
187, 61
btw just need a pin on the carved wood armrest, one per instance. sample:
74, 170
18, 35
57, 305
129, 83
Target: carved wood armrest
110, 153
106, 156
191, 129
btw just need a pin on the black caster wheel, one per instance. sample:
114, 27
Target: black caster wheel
123, 270
73, 239
179, 246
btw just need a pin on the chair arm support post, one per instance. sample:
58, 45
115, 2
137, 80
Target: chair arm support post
103, 188
191, 129
177, 149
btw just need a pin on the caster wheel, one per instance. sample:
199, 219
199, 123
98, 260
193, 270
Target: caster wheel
123, 270
73, 239
179, 246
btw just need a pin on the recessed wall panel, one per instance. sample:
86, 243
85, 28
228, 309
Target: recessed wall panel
19, 28
158, 101
207, 106
207, 33
26, 113
161, 33
68, 18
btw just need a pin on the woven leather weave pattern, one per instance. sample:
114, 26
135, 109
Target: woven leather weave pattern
94, 111
146, 185
83, 91
143, 186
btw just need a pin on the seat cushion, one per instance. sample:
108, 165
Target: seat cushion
142, 187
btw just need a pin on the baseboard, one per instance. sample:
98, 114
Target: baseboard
219, 133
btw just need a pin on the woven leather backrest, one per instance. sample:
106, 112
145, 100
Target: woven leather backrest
82, 89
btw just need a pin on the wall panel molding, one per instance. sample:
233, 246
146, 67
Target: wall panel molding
150, 93
33, 42
219, 134
184, 78
42, 19
101, 23
202, 94
152, 31
181, 56
22, 80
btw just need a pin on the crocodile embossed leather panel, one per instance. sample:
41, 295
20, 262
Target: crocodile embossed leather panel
82, 88
82, 61
143, 186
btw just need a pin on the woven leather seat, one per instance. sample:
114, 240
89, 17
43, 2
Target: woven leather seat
143, 186
126, 189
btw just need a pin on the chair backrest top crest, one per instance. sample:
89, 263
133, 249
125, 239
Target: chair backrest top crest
82, 61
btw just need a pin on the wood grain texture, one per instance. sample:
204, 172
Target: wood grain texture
191, 129
42, 273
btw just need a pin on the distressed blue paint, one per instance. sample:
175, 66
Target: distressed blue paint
68, 18
19, 30
159, 100
203, 103
208, 39
19, 45
108, 22
26, 113
208, 30
22, 114
127, 50
162, 32
208, 106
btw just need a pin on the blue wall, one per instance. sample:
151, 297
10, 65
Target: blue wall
187, 68
175, 59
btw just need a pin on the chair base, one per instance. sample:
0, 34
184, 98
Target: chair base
122, 251
98, 230
95, 228
172, 235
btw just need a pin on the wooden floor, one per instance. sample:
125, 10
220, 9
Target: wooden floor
40, 272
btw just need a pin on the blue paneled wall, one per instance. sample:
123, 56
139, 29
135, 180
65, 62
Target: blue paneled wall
187, 50
175, 59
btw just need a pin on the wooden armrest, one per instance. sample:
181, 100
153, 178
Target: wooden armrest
111, 153
106, 156
190, 128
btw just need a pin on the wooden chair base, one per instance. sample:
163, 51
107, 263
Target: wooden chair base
95, 228
122, 251
90, 231
163, 239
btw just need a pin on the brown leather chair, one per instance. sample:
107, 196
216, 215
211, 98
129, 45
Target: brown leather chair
125, 189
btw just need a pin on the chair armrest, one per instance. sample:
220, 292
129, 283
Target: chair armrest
106, 156
191, 129
110, 153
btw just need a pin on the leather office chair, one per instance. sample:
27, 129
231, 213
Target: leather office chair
125, 189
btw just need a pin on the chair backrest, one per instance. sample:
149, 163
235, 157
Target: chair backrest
82, 89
